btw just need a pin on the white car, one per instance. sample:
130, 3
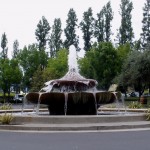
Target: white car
18, 97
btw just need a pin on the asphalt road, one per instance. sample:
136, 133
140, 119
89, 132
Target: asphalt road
129, 140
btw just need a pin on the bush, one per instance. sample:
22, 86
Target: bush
135, 105
148, 114
6, 106
6, 118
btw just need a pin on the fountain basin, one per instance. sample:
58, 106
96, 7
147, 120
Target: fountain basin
72, 103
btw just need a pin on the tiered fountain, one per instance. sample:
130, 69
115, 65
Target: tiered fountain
72, 94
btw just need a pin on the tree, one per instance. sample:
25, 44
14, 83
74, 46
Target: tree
101, 64
145, 35
55, 41
99, 26
37, 80
30, 59
4, 46
108, 19
123, 51
135, 71
16, 49
56, 68
86, 26
102, 26
70, 30
42, 32
10, 74
126, 31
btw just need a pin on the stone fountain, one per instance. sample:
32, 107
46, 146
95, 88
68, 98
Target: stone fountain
72, 94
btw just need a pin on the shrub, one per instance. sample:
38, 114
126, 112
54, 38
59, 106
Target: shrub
6, 118
148, 114
135, 105
6, 106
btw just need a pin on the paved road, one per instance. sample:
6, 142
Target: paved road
129, 140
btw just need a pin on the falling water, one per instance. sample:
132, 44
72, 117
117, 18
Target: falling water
118, 104
94, 94
123, 102
23, 104
38, 104
117, 101
65, 106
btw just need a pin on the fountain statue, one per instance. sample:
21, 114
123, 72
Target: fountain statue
72, 94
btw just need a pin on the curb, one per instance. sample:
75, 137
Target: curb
77, 123
81, 127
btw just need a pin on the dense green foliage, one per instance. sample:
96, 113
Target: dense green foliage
136, 71
30, 58
56, 68
10, 74
123, 52
100, 63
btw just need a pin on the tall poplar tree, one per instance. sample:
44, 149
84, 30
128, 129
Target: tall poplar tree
15, 49
145, 35
42, 32
108, 18
102, 30
99, 26
4, 46
70, 30
126, 31
55, 41
86, 26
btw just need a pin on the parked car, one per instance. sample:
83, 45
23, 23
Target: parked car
18, 98
147, 94
134, 94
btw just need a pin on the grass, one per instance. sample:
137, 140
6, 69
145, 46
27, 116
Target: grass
11, 94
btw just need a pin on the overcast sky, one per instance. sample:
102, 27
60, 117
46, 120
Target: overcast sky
19, 18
